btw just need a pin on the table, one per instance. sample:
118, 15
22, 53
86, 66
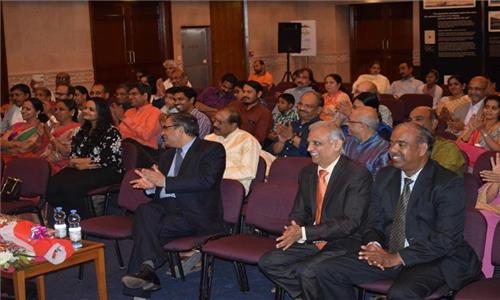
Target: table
91, 251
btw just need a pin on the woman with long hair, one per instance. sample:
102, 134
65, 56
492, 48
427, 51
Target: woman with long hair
95, 160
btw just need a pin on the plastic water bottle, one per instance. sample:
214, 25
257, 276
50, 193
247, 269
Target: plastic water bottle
75, 231
60, 223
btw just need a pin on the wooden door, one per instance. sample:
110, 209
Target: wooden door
227, 39
381, 32
4, 74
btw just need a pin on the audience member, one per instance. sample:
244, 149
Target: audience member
370, 87
18, 93
407, 84
333, 96
260, 74
169, 102
185, 99
364, 144
286, 114
139, 125
326, 219
61, 134
446, 106
431, 88
45, 96
24, 139
488, 194
95, 160
255, 117
242, 149
121, 97
303, 79
214, 98
238, 90
179, 78
64, 91
187, 200
293, 137
381, 82
444, 152
484, 130
416, 240
63, 78
81, 96
170, 67
99, 90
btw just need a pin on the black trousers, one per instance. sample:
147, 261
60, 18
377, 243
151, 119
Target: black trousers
295, 269
336, 278
68, 187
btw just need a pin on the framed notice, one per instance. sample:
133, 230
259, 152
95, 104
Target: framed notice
493, 3
494, 21
440, 4
308, 43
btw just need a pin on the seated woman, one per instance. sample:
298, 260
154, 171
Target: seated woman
333, 96
447, 105
484, 131
24, 139
95, 160
61, 134
378, 79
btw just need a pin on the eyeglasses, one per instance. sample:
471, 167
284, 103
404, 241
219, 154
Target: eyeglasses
355, 122
167, 127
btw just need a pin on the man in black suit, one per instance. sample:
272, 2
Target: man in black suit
186, 189
329, 210
414, 233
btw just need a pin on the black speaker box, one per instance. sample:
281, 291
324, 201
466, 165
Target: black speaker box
289, 37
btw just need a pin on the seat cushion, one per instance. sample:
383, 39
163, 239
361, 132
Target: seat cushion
187, 243
487, 289
245, 248
383, 286
103, 190
111, 227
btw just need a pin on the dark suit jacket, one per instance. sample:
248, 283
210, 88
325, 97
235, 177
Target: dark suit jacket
434, 222
197, 186
345, 205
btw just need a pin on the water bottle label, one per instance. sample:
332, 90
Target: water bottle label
60, 231
75, 235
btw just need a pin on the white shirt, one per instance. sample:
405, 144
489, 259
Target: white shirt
473, 109
328, 169
379, 80
242, 155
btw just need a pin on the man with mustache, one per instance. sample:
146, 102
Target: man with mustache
407, 84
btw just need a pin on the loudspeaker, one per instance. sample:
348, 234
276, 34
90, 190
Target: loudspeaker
289, 37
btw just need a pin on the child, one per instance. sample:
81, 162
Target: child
285, 114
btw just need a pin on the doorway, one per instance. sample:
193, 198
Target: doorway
196, 55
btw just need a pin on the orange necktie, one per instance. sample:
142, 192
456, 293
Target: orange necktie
320, 194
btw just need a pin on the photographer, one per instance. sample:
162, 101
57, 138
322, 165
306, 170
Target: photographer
25, 139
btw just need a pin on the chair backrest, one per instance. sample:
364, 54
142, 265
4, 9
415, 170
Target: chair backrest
233, 194
261, 172
483, 163
495, 249
411, 101
287, 169
471, 185
130, 154
270, 205
395, 106
475, 231
34, 172
129, 197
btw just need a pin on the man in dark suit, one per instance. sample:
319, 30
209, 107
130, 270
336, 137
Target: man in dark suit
414, 233
329, 210
186, 189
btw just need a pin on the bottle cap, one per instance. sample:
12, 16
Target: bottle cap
73, 211
58, 208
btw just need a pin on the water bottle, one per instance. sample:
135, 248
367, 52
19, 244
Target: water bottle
75, 231
60, 223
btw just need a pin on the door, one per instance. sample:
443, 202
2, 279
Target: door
227, 30
196, 55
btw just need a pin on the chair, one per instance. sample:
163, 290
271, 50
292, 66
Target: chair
471, 185
115, 227
395, 106
410, 101
287, 169
130, 154
35, 174
474, 234
232, 193
268, 209
485, 289
483, 163
260, 176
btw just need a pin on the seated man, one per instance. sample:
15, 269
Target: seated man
255, 117
261, 75
139, 125
303, 78
99, 90
187, 200
414, 230
214, 98
364, 144
407, 84
445, 152
292, 137
18, 94
242, 149
185, 99
327, 216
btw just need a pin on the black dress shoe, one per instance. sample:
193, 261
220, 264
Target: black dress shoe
145, 279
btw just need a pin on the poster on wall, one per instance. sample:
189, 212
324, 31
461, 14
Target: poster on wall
308, 44
440, 4
492, 41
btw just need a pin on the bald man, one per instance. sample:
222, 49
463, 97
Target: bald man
445, 152
370, 87
364, 144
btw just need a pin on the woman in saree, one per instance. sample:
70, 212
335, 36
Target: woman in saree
60, 136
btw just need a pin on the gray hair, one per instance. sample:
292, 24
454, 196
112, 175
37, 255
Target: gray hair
369, 116
334, 132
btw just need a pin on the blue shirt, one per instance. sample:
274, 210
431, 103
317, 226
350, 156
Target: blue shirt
302, 131
373, 153
383, 130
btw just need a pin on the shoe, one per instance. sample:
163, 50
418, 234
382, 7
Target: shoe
145, 279
190, 265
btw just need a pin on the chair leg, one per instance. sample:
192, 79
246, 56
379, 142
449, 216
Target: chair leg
279, 293
171, 265
179, 266
241, 275
81, 267
40, 216
206, 276
116, 244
